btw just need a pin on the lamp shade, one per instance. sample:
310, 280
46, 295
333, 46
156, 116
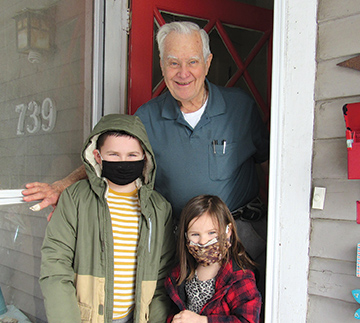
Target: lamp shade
34, 31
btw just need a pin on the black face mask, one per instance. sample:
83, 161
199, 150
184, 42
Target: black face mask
122, 172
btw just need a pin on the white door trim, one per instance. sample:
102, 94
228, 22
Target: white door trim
110, 58
116, 56
98, 62
293, 80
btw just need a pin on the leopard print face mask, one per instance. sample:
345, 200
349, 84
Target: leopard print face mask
208, 253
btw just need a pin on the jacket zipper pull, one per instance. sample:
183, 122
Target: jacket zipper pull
150, 232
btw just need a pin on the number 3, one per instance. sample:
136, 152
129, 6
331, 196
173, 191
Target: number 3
35, 109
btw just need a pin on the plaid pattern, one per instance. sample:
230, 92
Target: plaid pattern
236, 297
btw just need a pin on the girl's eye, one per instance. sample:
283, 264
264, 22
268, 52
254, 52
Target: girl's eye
194, 235
212, 232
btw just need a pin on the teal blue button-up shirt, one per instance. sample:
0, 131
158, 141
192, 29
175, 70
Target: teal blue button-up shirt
217, 157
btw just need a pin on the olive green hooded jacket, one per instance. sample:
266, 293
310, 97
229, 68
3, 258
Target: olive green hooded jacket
77, 254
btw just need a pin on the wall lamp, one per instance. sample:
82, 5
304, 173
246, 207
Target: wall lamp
35, 33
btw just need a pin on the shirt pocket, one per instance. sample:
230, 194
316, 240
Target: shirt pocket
225, 161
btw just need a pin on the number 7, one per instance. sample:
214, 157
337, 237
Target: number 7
21, 108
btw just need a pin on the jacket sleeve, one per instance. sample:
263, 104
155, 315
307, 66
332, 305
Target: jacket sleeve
244, 301
57, 273
173, 292
161, 302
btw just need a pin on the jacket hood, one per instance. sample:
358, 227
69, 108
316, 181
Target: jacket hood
118, 122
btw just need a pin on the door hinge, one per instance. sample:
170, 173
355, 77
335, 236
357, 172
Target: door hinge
127, 21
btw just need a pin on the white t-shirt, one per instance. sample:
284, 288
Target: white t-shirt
193, 118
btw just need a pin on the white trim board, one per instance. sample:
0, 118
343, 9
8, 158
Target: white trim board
115, 56
293, 79
8, 197
98, 64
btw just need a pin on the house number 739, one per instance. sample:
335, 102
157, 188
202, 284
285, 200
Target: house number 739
36, 117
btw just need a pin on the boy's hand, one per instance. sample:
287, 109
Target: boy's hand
189, 317
49, 194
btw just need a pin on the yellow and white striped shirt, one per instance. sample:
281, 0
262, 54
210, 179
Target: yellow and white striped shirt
125, 214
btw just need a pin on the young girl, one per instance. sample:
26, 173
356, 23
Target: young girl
214, 281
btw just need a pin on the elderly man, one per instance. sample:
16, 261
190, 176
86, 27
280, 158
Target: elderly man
206, 139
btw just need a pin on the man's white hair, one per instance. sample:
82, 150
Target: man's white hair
185, 28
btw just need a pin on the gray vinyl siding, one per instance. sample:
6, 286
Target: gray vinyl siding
334, 231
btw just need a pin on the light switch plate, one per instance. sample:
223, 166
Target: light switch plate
319, 198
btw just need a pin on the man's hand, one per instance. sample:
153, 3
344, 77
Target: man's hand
49, 194
189, 317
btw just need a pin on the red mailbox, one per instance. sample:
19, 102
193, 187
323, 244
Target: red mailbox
352, 120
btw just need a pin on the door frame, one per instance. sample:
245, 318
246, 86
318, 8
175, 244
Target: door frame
98, 63
110, 56
291, 149
293, 80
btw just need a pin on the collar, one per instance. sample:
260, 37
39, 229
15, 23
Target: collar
216, 104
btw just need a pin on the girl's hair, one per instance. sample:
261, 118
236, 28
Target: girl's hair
221, 215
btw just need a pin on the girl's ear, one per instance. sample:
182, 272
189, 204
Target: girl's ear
228, 230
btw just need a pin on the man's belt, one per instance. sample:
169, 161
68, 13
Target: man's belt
250, 212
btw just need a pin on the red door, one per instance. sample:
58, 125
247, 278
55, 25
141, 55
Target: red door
240, 39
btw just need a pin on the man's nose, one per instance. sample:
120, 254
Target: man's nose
184, 71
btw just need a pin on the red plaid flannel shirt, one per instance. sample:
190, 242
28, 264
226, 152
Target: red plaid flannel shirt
236, 297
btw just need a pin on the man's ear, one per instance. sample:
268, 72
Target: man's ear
97, 156
208, 63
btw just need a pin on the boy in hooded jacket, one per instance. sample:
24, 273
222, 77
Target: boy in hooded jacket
108, 249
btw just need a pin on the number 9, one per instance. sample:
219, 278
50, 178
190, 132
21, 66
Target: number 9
48, 113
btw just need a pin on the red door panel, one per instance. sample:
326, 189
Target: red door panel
216, 16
